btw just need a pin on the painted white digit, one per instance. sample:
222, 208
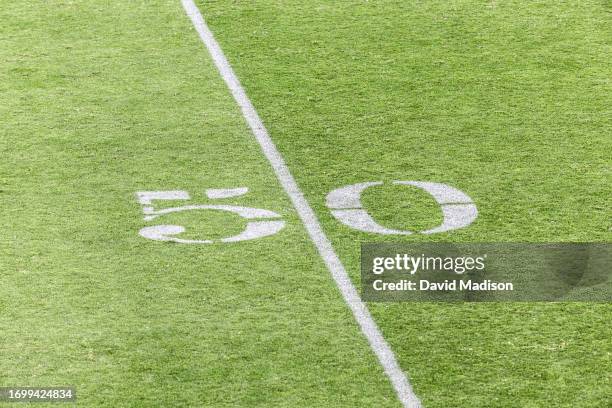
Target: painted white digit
145, 198
345, 204
458, 209
226, 192
255, 228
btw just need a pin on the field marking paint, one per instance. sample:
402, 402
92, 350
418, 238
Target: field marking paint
253, 230
215, 193
362, 315
458, 209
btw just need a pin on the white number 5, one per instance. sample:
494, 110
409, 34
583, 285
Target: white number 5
259, 224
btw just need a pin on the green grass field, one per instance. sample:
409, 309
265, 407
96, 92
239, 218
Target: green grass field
508, 101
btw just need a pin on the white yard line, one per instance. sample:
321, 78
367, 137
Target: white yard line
349, 292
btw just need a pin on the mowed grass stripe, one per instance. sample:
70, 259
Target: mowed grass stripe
103, 99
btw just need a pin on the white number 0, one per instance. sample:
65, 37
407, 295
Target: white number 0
457, 208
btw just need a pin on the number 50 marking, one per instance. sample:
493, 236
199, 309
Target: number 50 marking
345, 204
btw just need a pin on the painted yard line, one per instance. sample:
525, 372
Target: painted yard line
349, 292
